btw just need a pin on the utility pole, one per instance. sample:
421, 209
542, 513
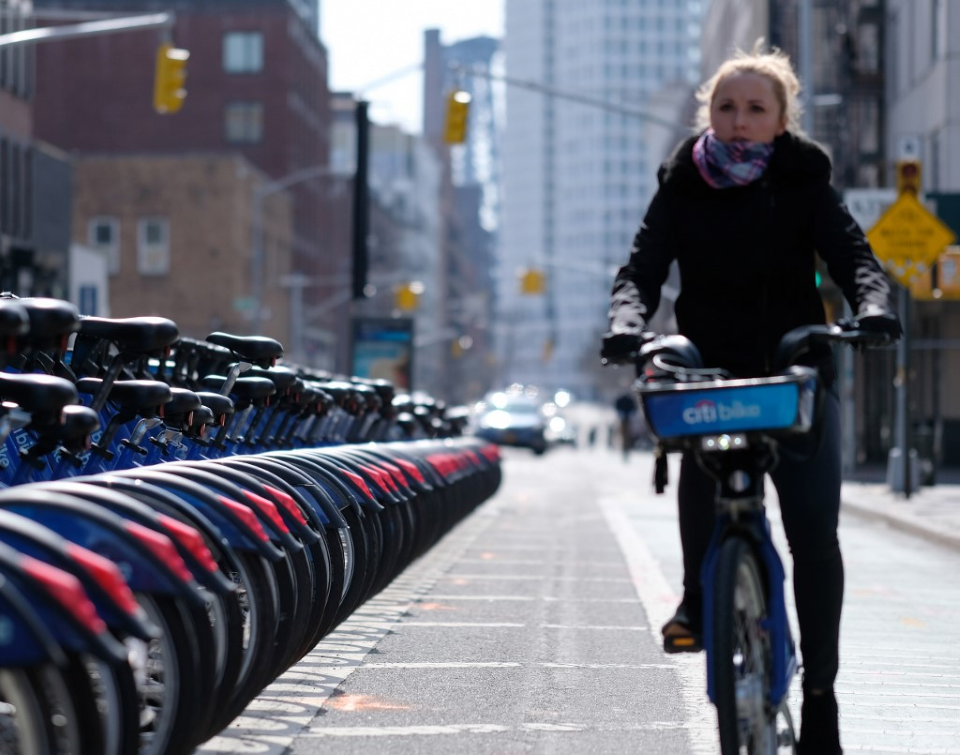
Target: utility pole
361, 203
805, 62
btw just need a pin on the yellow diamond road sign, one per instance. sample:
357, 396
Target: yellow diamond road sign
908, 238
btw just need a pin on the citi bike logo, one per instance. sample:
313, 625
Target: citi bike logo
706, 412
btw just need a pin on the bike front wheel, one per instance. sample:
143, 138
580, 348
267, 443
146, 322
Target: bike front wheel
741, 659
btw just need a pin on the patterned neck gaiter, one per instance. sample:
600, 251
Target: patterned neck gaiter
726, 164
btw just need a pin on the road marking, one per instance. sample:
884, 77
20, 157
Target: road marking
547, 598
659, 601
595, 628
434, 596
353, 703
497, 561
321, 731
530, 577
283, 710
465, 624
512, 664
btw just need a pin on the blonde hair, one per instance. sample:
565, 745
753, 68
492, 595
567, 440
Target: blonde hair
774, 65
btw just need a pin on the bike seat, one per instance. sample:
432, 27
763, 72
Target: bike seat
132, 334
309, 396
50, 318
249, 389
283, 377
221, 406
202, 415
37, 393
182, 401
130, 394
260, 350
77, 422
14, 320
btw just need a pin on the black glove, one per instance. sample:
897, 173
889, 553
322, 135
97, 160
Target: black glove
621, 347
881, 323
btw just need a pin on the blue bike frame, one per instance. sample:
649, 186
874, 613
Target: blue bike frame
783, 656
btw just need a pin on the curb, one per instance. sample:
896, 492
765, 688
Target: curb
925, 531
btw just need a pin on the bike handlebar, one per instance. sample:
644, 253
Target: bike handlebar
678, 355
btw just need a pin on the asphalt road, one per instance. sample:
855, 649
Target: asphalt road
533, 628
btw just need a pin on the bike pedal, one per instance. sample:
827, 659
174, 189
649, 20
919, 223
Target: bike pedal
682, 645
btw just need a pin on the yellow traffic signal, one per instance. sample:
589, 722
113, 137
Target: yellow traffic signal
908, 177
458, 112
168, 91
532, 281
406, 296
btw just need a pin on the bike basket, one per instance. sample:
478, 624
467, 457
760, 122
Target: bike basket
783, 402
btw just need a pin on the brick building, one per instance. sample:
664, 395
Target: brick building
167, 226
257, 88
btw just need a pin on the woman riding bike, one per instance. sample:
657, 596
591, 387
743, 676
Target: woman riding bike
744, 207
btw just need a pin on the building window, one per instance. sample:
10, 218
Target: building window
103, 235
243, 52
87, 303
243, 122
153, 246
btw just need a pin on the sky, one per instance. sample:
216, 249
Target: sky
369, 41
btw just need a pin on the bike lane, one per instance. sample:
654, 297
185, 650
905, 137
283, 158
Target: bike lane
532, 627
899, 681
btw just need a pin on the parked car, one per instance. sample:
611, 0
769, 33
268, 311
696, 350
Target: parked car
512, 418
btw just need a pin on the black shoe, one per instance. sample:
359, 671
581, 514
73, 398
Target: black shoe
683, 633
819, 724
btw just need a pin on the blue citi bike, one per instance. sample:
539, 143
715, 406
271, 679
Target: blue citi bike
733, 427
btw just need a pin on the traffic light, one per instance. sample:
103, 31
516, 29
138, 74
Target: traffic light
908, 177
458, 112
532, 281
168, 91
406, 296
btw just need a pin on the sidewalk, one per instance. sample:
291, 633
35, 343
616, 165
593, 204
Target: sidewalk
931, 512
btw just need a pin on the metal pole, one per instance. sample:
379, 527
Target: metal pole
361, 204
256, 261
89, 28
805, 63
899, 468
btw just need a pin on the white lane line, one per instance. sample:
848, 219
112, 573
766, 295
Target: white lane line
332, 732
530, 577
441, 665
464, 624
497, 561
594, 628
270, 725
513, 664
659, 601
433, 598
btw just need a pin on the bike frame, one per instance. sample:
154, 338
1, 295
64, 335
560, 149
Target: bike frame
743, 515
730, 427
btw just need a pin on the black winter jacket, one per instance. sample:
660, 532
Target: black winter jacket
747, 258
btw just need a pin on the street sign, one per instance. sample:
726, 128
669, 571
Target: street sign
946, 272
948, 279
867, 205
908, 238
908, 147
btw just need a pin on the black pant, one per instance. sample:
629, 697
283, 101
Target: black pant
808, 487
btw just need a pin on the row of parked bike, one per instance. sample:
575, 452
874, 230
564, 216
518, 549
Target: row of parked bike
183, 520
